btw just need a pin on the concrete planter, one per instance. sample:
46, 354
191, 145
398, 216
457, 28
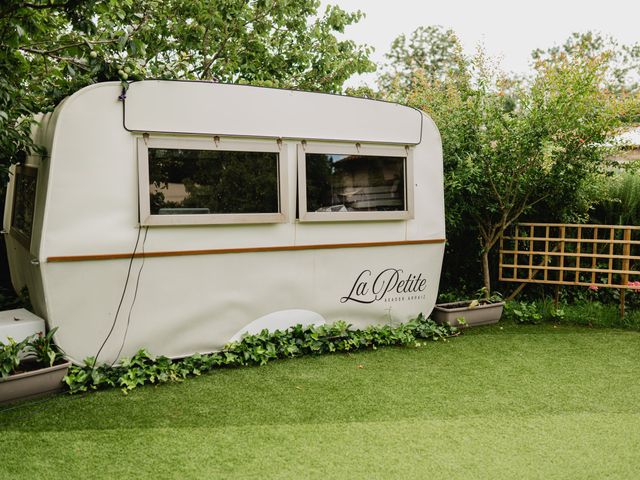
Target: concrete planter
42, 381
482, 314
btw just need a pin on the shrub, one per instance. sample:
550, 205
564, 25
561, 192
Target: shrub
622, 203
534, 312
10, 356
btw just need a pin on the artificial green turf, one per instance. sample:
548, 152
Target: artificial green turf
518, 402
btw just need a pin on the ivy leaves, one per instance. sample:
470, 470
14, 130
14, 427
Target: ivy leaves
259, 349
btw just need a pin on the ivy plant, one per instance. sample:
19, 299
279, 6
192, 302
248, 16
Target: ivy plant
259, 349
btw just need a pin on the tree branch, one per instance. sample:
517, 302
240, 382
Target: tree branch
39, 6
60, 58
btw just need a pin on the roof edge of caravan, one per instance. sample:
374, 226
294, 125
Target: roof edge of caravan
240, 85
190, 109
185, 107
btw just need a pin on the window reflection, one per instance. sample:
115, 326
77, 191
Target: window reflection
348, 183
183, 181
24, 201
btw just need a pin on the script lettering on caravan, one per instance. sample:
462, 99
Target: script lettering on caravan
389, 285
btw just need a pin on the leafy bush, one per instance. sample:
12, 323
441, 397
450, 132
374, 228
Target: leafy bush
622, 203
534, 312
10, 356
259, 349
523, 312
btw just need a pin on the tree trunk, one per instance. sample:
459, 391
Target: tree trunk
486, 274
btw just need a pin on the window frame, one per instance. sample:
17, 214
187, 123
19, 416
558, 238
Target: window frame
354, 149
19, 235
219, 144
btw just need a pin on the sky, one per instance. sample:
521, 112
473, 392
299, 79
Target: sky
509, 30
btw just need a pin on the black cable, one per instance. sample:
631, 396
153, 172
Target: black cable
115, 319
135, 296
124, 291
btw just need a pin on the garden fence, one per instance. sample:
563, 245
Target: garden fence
594, 256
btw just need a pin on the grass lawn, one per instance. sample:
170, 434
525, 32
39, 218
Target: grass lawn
519, 402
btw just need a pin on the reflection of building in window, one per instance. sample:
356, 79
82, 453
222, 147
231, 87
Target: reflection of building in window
355, 183
185, 181
172, 192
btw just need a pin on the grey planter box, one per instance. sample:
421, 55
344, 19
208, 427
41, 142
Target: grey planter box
482, 314
31, 384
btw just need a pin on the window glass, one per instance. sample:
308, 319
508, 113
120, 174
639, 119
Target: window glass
24, 201
355, 183
184, 181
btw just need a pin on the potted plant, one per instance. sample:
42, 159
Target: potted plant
468, 313
32, 367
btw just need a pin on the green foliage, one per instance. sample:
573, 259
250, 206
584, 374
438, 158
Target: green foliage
510, 147
623, 61
42, 348
515, 147
10, 356
620, 204
430, 50
523, 312
535, 312
598, 314
51, 49
488, 297
593, 309
39, 348
257, 349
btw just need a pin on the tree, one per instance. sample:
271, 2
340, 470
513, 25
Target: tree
431, 50
509, 147
50, 48
622, 61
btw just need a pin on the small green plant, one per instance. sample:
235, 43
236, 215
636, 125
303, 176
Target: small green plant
524, 312
258, 349
42, 348
534, 312
551, 312
10, 356
38, 347
482, 297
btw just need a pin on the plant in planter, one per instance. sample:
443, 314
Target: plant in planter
32, 367
44, 351
10, 356
468, 313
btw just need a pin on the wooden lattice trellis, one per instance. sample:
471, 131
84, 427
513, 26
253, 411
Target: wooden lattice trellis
603, 256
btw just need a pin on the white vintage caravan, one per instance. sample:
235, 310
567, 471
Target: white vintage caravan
179, 215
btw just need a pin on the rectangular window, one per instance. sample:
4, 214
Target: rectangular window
352, 182
24, 201
199, 181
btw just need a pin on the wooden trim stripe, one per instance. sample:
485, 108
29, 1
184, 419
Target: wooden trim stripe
221, 251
